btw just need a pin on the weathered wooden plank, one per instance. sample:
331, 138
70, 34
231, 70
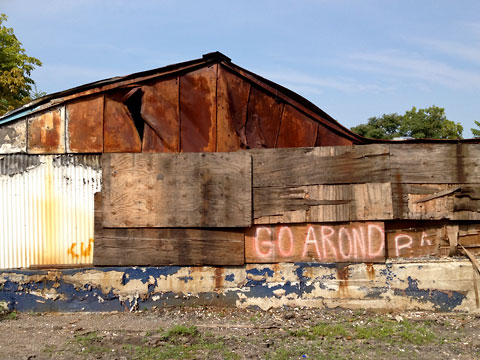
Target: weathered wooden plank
13, 137
46, 132
322, 203
296, 129
414, 239
435, 163
97, 219
198, 110
85, 125
120, 133
323, 165
154, 247
436, 201
232, 100
160, 111
177, 190
352, 242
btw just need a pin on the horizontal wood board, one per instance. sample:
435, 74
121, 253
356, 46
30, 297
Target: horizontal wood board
177, 190
155, 247
323, 203
152, 247
435, 163
321, 165
325, 243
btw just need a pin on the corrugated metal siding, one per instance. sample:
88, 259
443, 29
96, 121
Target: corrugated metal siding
46, 209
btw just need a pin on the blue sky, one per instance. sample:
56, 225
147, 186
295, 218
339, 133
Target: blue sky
354, 59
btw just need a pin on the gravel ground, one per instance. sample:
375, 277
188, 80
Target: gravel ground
220, 333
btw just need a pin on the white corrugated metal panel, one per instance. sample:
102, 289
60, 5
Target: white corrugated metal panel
46, 209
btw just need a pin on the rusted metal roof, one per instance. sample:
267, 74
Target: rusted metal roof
274, 90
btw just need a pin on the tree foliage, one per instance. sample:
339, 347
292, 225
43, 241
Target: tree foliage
476, 132
430, 123
16, 85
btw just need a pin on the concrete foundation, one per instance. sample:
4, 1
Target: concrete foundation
439, 285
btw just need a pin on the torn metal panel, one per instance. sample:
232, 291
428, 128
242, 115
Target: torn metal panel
400, 286
198, 115
85, 125
47, 209
120, 133
13, 137
159, 110
46, 132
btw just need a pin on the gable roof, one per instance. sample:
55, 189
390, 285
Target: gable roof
270, 87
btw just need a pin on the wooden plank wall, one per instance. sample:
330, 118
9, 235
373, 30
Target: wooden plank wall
328, 204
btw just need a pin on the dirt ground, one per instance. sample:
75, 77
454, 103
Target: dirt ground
218, 333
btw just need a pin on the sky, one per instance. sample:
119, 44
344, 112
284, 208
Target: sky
353, 59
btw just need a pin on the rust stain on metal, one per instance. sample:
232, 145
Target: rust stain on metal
342, 276
198, 110
218, 275
370, 271
326, 137
46, 133
13, 137
263, 120
120, 133
85, 125
232, 101
296, 129
160, 111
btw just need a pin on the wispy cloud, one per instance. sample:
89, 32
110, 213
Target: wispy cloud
402, 64
455, 49
312, 84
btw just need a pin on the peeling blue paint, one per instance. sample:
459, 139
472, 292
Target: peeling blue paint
441, 300
260, 272
185, 279
30, 293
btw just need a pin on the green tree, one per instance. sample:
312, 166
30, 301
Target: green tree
15, 69
429, 123
476, 132
384, 127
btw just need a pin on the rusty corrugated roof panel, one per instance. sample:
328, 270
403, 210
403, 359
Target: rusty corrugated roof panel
132, 80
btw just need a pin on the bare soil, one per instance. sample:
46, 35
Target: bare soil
219, 333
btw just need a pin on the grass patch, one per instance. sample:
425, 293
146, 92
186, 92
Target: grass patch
376, 329
180, 330
91, 343
181, 342
322, 330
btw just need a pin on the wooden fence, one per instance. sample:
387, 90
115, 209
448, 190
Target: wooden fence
349, 204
